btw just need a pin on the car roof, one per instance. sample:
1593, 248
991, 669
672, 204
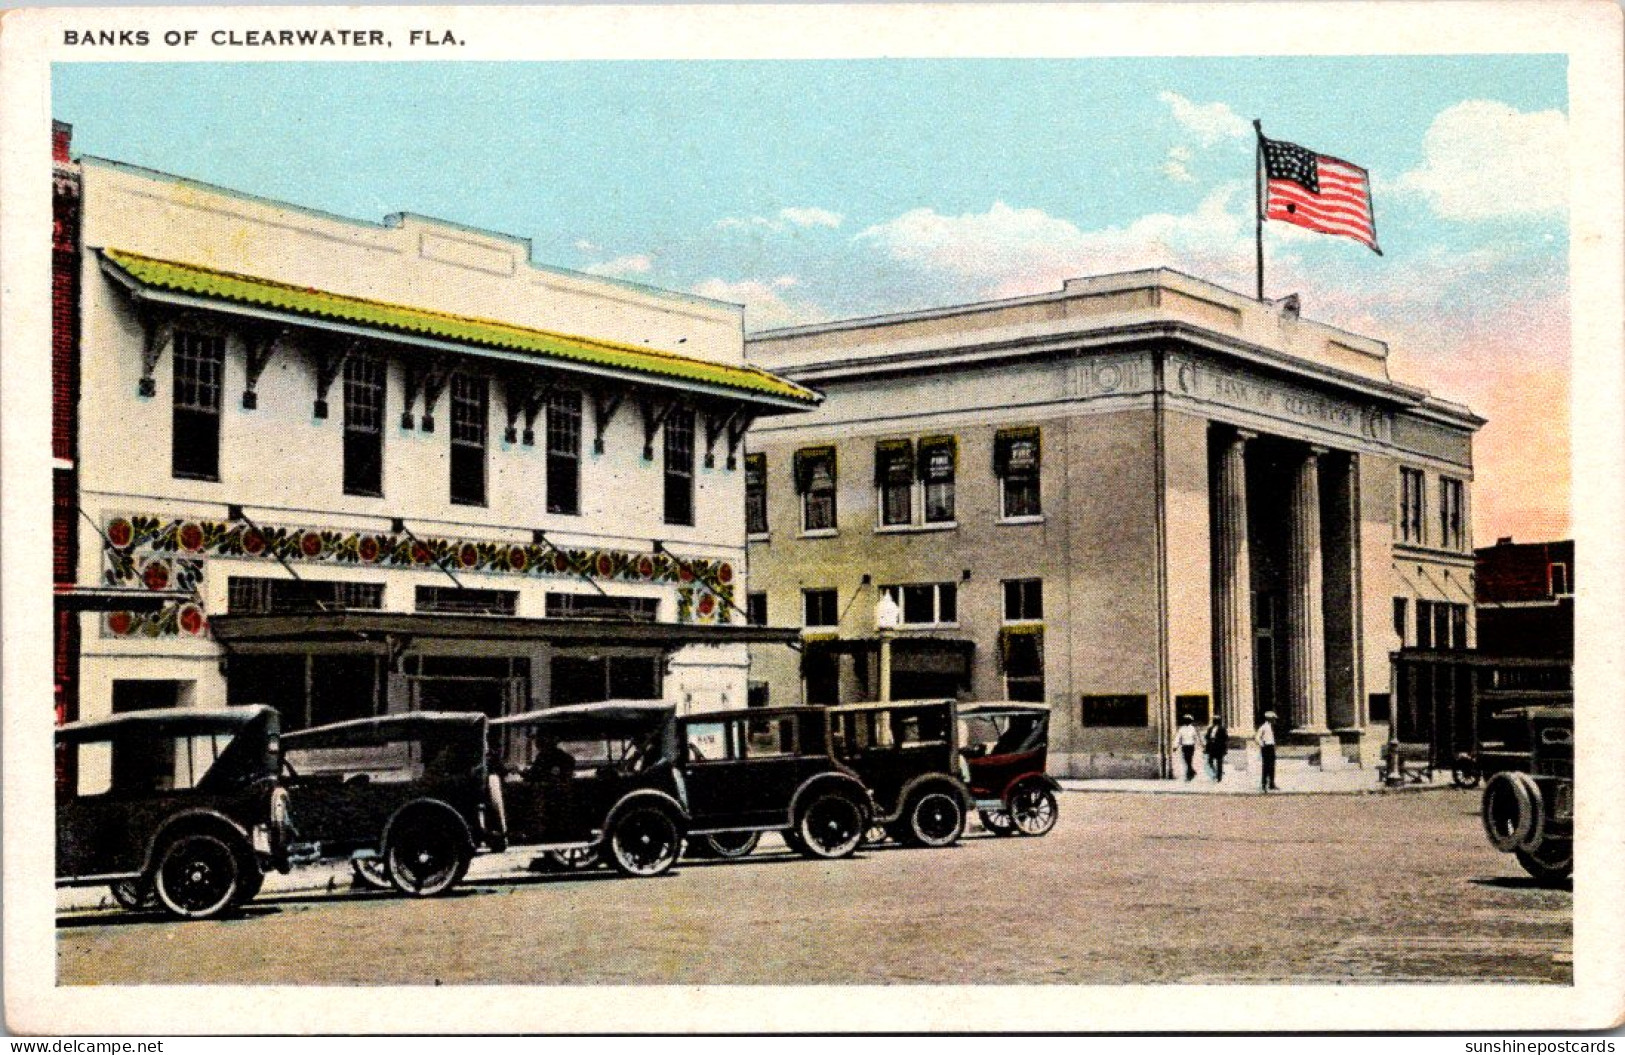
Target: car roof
1537, 711
177, 721
973, 710
889, 705
609, 712
385, 727
753, 712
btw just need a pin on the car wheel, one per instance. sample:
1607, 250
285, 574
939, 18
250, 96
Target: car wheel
249, 889
579, 859
1464, 772
1550, 863
425, 857
134, 895
730, 846
935, 819
792, 840
1510, 810
1033, 810
831, 827
370, 873
997, 822
644, 842
198, 875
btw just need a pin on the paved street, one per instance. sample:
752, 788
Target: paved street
1128, 888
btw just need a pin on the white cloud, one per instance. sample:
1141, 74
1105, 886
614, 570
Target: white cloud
766, 307
621, 266
1485, 160
585, 246
790, 216
1209, 122
1176, 167
1010, 251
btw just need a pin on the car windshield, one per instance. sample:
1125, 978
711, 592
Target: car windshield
896, 727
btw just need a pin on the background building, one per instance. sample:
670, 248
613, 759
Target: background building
1128, 498
1525, 598
344, 467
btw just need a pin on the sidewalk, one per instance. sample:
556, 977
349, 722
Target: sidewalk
1294, 778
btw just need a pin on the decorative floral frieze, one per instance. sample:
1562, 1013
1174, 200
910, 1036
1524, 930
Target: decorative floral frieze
169, 554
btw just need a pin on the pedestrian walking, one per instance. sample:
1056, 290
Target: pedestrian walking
1266, 752
1217, 745
1186, 739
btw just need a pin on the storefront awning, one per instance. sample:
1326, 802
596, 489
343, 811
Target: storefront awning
284, 633
190, 285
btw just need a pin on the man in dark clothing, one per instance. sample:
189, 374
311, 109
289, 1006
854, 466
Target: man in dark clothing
1217, 745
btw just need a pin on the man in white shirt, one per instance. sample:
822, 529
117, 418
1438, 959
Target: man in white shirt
1186, 739
1266, 751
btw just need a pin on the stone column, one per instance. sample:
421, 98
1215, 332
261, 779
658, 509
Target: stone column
1306, 628
1233, 588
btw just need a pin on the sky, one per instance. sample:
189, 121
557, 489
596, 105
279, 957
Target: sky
817, 190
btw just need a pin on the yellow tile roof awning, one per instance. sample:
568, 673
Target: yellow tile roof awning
192, 280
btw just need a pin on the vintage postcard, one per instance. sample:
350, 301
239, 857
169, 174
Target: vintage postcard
813, 518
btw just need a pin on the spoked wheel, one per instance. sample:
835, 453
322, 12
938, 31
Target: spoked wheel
832, 827
134, 895
731, 846
577, 859
935, 819
198, 876
370, 873
1033, 810
426, 857
644, 842
1550, 863
1464, 772
997, 822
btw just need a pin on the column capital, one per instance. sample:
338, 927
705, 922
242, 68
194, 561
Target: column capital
1316, 450
1242, 435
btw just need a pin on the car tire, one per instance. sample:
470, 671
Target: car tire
580, 859
253, 882
935, 818
644, 842
1464, 772
1510, 810
134, 895
831, 827
425, 856
1549, 863
792, 841
997, 822
198, 875
370, 873
1033, 810
728, 846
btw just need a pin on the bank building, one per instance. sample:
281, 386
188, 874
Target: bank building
1138, 497
347, 468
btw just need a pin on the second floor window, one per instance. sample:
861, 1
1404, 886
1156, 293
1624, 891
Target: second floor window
1451, 500
927, 604
1409, 528
938, 459
815, 482
469, 413
564, 453
818, 608
894, 481
755, 494
200, 361
756, 608
1023, 600
277, 596
1016, 464
679, 429
363, 426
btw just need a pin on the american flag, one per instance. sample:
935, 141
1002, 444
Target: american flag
1318, 192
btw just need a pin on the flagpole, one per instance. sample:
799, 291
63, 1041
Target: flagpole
1258, 200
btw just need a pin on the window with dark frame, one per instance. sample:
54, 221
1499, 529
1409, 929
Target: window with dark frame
199, 366
1021, 651
756, 608
1412, 495
261, 596
467, 601
755, 494
815, 482
1401, 617
894, 482
938, 462
1023, 600
597, 606
818, 608
364, 425
1451, 500
1016, 462
470, 405
679, 466
1560, 580
564, 453
927, 604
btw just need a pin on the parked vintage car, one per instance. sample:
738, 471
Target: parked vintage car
907, 754
406, 797
595, 777
761, 770
1006, 747
181, 808
1528, 803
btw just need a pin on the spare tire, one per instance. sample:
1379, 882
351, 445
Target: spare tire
1511, 811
